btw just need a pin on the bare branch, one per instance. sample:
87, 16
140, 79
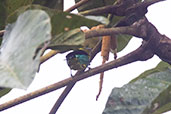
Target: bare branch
122, 9
34, 94
160, 44
137, 29
110, 31
142, 53
76, 5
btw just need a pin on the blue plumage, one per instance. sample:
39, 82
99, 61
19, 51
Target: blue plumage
83, 59
78, 60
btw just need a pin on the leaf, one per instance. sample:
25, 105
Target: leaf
67, 21
159, 68
122, 41
72, 39
4, 91
53, 4
9, 6
18, 62
145, 95
100, 19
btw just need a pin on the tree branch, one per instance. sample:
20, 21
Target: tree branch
122, 9
142, 53
78, 4
160, 44
137, 29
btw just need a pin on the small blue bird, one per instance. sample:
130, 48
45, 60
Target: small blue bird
77, 60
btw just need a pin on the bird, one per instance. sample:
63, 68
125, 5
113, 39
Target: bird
77, 60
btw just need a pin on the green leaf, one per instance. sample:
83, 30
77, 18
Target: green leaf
18, 60
145, 95
53, 4
159, 68
7, 7
122, 41
69, 21
100, 19
72, 39
61, 21
4, 91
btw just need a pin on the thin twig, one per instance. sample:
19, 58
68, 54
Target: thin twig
48, 56
78, 4
121, 9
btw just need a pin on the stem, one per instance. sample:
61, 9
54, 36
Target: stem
78, 4
110, 31
48, 56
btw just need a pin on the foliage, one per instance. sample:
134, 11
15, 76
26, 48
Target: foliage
147, 94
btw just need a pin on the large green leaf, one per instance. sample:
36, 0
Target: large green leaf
61, 21
149, 94
18, 60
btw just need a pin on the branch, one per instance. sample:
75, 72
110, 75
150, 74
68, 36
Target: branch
160, 44
34, 94
124, 8
48, 55
78, 4
142, 53
137, 29
141, 5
